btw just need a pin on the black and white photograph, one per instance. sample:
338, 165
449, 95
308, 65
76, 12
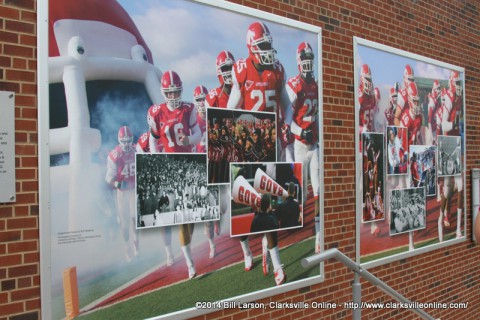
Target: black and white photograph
423, 168
265, 197
397, 150
449, 156
373, 155
407, 207
172, 190
238, 136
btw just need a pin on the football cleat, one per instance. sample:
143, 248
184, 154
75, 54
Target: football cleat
265, 261
248, 263
191, 272
446, 222
280, 277
265, 256
212, 252
170, 260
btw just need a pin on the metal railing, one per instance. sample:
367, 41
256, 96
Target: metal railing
356, 286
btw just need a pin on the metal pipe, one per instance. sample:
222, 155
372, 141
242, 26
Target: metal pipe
336, 254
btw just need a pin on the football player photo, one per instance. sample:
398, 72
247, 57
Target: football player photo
281, 181
449, 156
397, 150
423, 168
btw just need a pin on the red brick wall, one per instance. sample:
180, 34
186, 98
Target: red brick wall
445, 30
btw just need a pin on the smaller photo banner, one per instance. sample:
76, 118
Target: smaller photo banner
266, 197
397, 150
449, 156
238, 136
407, 208
373, 180
423, 168
476, 204
171, 189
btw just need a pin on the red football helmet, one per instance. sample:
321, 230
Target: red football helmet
305, 58
125, 138
408, 75
454, 83
413, 99
172, 89
436, 89
225, 61
259, 44
199, 95
366, 79
394, 95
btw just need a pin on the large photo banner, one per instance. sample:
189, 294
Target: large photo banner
149, 112
417, 105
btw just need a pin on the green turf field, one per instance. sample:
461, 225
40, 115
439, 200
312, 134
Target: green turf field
222, 284
388, 253
99, 286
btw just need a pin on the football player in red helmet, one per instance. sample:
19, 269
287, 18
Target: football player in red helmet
408, 76
402, 98
175, 124
366, 99
452, 111
434, 112
199, 95
258, 82
452, 120
303, 95
411, 117
121, 176
218, 97
390, 111
175, 121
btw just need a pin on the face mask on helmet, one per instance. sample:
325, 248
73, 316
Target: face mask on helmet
172, 97
367, 84
225, 63
259, 43
414, 105
458, 86
125, 139
199, 95
306, 63
200, 104
264, 52
172, 89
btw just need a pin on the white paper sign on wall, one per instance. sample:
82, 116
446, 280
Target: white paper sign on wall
7, 146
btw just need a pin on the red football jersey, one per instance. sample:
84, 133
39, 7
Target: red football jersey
453, 106
412, 124
143, 143
125, 166
435, 111
217, 98
260, 91
170, 125
304, 96
201, 147
367, 110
